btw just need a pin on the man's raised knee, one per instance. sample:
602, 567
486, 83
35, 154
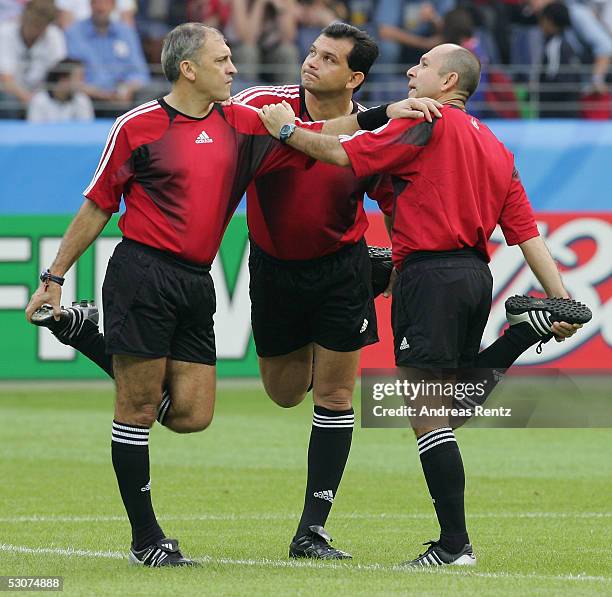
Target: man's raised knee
286, 400
334, 400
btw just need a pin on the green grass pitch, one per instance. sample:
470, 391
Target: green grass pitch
538, 504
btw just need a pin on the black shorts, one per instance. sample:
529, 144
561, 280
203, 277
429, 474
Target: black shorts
441, 303
328, 300
157, 305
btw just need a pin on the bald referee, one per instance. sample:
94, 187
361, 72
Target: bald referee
454, 182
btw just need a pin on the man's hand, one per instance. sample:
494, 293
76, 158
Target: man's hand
389, 290
275, 116
46, 294
563, 330
415, 108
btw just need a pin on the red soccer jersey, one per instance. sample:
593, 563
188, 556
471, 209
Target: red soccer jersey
181, 177
453, 182
305, 214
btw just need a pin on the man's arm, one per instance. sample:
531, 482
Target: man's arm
324, 148
11, 87
316, 145
545, 269
83, 230
407, 108
543, 266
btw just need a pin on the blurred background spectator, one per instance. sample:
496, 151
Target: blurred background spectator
589, 37
115, 67
314, 15
11, 9
406, 29
29, 48
63, 99
560, 78
263, 38
71, 11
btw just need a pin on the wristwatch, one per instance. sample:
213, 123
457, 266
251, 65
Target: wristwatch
286, 131
46, 276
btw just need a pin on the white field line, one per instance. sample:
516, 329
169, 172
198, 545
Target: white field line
267, 563
291, 515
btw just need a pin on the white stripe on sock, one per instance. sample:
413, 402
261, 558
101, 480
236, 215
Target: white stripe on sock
430, 433
144, 438
433, 438
120, 440
442, 441
121, 427
326, 418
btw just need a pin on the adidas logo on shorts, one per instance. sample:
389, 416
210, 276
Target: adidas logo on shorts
404, 345
327, 494
364, 326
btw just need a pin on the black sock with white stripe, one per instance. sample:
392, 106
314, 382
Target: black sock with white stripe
93, 346
328, 451
130, 453
507, 348
443, 469
164, 406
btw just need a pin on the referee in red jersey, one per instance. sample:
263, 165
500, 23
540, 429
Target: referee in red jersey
454, 182
182, 165
312, 304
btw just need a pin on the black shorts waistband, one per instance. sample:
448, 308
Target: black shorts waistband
184, 264
256, 250
448, 258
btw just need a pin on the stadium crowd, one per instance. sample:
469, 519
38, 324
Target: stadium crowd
61, 60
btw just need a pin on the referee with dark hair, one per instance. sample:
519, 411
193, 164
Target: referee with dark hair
453, 183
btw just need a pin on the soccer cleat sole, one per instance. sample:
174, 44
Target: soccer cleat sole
42, 317
559, 309
335, 555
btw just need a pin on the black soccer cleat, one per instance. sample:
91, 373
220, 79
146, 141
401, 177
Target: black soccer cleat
541, 313
163, 553
382, 266
436, 556
81, 318
316, 545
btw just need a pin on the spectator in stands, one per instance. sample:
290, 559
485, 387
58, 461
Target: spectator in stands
115, 68
559, 93
71, 11
406, 30
591, 34
458, 28
63, 99
10, 10
29, 48
314, 15
264, 31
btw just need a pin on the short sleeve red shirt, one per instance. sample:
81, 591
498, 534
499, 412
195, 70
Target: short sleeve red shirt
181, 178
453, 182
297, 214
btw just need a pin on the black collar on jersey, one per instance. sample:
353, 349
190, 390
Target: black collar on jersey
304, 109
173, 112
